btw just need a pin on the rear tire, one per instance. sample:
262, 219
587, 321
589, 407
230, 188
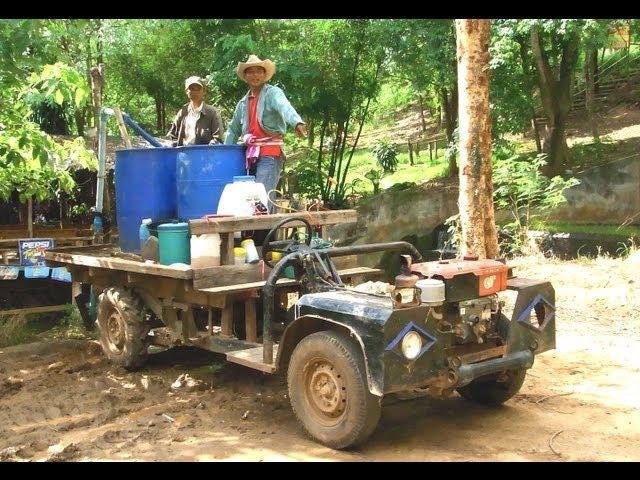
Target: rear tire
494, 391
328, 390
122, 327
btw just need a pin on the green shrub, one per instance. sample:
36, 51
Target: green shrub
386, 156
522, 190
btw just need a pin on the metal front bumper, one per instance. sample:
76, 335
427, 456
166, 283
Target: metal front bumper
517, 360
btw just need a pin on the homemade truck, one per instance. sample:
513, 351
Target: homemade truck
437, 329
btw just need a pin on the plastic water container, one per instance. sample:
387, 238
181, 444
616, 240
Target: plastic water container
174, 243
238, 197
145, 182
239, 256
205, 250
144, 233
202, 171
250, 247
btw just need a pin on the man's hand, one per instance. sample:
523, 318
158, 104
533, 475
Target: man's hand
301, 130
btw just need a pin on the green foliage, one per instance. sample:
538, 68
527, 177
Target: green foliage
31, 163
629, 231
526, 194
374, 176
394, 95
386, 156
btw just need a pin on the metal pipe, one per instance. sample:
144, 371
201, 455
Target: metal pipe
373, 247
267, 304
467, 373
149, 138
269, 286
102, 158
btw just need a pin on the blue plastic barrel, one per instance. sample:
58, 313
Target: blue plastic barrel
202, 172
145, 180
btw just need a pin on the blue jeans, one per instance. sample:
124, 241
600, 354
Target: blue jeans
268, 171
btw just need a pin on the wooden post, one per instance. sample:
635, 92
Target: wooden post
430, 151
226, 248
250, 322
122, 127
227, 320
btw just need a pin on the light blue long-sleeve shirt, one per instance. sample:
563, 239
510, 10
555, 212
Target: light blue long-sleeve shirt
274, 114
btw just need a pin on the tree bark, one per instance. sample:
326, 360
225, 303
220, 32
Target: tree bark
422, 119
450, 112
590, 101
477, 218
528, 81
555, 93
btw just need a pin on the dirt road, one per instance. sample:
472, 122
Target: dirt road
63, 401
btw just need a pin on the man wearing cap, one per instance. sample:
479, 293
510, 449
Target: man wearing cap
261, 118
196, 123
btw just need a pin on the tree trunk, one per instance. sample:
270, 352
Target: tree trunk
536, 133
158, 113
422, 119
528, 82
477, 218
450, 110
79, 118
556, 99
589, 75
596, 72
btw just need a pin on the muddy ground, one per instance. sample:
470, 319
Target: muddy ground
61, 400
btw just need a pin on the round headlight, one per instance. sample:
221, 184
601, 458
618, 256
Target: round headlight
411, 345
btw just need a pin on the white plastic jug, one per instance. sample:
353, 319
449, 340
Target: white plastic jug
238, 197
205, 250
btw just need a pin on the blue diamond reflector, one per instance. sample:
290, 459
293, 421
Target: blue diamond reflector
429, 340
550, 313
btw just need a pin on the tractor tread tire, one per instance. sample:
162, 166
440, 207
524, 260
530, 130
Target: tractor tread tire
491, 392
135, 350
363, 408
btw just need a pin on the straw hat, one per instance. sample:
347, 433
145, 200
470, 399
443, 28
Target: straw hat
254, 61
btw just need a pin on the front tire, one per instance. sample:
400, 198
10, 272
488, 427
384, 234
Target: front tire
328, 390
494, 391
122, 327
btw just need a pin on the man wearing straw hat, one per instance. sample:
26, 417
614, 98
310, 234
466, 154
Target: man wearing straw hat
261, 118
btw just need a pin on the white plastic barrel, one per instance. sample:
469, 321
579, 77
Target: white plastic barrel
205, 250
238, 197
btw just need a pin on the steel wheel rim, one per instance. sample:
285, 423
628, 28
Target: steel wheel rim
325, 391
115, 332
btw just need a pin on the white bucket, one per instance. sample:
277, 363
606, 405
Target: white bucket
205, 250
